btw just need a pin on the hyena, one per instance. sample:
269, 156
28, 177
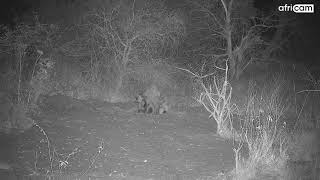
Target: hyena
142, 103
152, 102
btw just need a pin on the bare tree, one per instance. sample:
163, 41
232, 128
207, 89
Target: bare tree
230, 30
131, 31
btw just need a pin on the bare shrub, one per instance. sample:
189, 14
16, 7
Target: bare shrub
263, 132
307, 102
27, 66
216, 98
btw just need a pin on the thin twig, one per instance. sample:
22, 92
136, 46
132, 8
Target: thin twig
309, 90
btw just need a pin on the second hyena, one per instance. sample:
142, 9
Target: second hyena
141, 102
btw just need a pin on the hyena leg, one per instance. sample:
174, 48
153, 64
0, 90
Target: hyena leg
150, 108
163, 106
154, 105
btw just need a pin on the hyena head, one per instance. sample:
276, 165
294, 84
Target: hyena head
139, 98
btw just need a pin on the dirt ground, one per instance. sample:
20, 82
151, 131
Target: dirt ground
98, 140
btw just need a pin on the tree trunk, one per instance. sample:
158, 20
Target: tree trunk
228, 32
122, 66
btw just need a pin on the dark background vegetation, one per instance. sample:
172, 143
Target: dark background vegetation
68, 11
90, 49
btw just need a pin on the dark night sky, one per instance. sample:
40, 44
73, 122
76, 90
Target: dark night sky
9, 9
12, 8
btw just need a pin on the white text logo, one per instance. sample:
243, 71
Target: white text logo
297, 8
